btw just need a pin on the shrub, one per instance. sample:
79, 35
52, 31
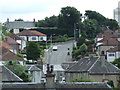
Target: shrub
81, 80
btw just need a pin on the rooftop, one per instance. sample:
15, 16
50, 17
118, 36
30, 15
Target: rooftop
8, 55
8, 75
95, 65
30, 33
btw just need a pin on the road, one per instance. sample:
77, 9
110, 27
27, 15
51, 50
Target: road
59, 56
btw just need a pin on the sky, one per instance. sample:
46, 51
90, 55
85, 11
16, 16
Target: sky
39, 9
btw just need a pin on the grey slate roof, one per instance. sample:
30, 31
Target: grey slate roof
67, 65
8, 75
23, 86
60, 85
83, 65
84, 85
107, 69
94, 66
32, 68
19, 24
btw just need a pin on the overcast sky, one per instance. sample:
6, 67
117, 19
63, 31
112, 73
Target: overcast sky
39, 9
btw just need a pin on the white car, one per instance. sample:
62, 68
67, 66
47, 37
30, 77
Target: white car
55, 48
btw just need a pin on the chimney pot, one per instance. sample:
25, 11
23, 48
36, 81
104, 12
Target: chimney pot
7, 20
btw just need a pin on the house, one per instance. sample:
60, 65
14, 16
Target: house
58, 86
50, 84
18, 40
107, 34
8, 76
95, 68
107, 44
19, 24
113, 53
12, 43
4, 44
36, 72
32, 35
7, 55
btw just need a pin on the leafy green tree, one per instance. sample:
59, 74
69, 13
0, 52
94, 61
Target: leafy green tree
83, 47
20, 55
67, 17
90, 29
95, 15
116, 62
80, 41
19, 70
112, 24
33, 51
19, 19
102, 21
48, 22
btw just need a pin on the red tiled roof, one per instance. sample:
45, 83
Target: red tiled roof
10, 40
30, 33
14, 36
114, 49
4, 44
111, 42
8, 55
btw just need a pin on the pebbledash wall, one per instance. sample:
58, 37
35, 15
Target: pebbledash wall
95, 78
102, 78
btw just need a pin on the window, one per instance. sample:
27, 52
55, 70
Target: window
102, 52
33, 38
111, 54
41, 38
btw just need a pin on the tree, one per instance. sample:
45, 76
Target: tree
90, 28
81, 40
19, 70
83, 47
116, 62
95, 15
33, 51
67, 17
102, 21
112, 24
19, 19
48, 22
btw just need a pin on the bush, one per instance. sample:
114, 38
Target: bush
81, 80
20, 55
111, 83
86, 54
19, 70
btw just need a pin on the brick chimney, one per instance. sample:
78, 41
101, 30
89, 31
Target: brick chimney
50, 76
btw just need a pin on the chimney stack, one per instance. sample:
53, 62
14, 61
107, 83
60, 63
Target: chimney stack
34, 20
7, 20
50, 76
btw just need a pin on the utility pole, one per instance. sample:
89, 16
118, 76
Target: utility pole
74, 32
